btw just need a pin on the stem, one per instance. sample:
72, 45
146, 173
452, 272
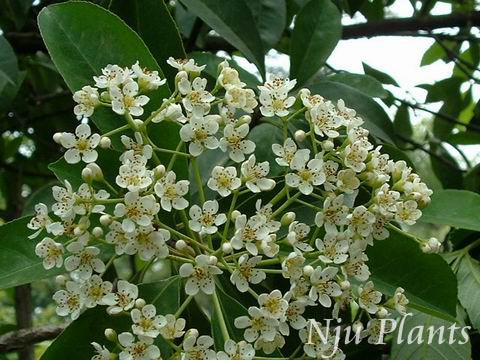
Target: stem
286, 204
116, 131
183, 306
174, 157
229, 215
279, 196
218, 309
198, 179
184, 237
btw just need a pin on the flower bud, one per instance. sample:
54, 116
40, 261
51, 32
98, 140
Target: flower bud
78, 230
308, 270
327, 145
105, 219
87, 175
110, 335
357, 327
227, 248
244, 119
213, 260
97, 231
235, 214
57, 137
382, 312
191, 332
139, 123
96, 171
181, 245
159, 171
434, 244
300, 135
140, 303
345, 285
426, 248
287, 218
105, 142
61, 280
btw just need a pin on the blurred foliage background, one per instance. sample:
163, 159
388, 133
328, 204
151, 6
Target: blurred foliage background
35, 102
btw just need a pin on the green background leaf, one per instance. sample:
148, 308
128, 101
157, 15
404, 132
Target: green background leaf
468, 277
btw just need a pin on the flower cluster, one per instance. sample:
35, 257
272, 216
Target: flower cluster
349, 192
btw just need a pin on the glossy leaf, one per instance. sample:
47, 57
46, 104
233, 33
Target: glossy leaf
317, 30
429, 283
264, 135
379, 75
233, 20
401, 121
364, 83
9, 74
270, 17
468, 277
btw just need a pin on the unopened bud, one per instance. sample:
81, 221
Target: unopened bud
287, 218
235, 214
105, 219
97, 173
227, 248
181, 245
110, 335
139, 123
140, 303
382, 312
159, 171
327, 145
345, 285
213, 260
245, 119
300, 135
87, 175
357, 327
308, 270
61, 280
97, 231
57, 137
105, 142
434, 244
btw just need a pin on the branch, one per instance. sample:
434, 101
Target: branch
17, 340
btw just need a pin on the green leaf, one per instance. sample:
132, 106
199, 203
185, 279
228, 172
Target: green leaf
456, 208
316, 33
364, 83
9, 74
271, 18
264, 135
401, 122
144, 16
233, 21
424, 350
74, 341
379, 75
436, 52
18, 262
468, 278
429, 283
376, 120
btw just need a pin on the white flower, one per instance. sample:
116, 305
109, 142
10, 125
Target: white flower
330, 168
400, 301
200, 132
360, 221
355, 265
69, 301
146, 322
148, 242
369, 298
102, 353
133, 174
136, 209
228, 77
386, 200
292, 266
173, 327
278, 86
87, 100
324, 285
407, 212
172, 112
85, 200
148, 80
309, 173
347, 181
200, 276
324, 119
187, 65
275, 105
294, 314
355, 156
143, 349
224, 180
269, 346
334, 214
195, 98
83, 260
205, 219
318, 348
236, 351
257, 324
135, 147
273, 305
94, 290
51, 252
285, 153
375, 329
123, 299
198, 348
41, 221
234, 141
309, 100
127, 99
171, 192
80, 145
348, 115
334, 248
112, 75
248, 233
297, 236
254, 175
267, 212
238, 98
118, 237
246, 273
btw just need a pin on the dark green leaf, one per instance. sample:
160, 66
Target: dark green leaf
233, 20
9, 75
468, 277
436, 52
457, 208
363, 83
445, 167
264, 135
379, 75
465, 138
429, 282
316, 33
401, 122
270, 17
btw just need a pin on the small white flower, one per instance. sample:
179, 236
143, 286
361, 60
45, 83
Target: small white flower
347, 181
369, 298
198, 348
355, 265
292, 266
309, 100
84, 260
41, 221
400, 301
136, 209
148, 242
294, 314
112, 75
278, 86
236, 351
324, 119
330, 168
171, 192
386, 200
143, 349
407, 212
172, 112
334, 214
94, 290
205, 219
123, 299
133, 174
318, 348
324, 285
195, 98
309, 173
146, 322
187, 65
118, 237
254, 175
267, 212
127, 99
297, 236
85, 199
102, 353
269, 346
69, 301
249, 232
375, 329
234, 142
334, 248
173, 328
238, 98
87, 100
275, 105
246, 273
355, 156
224, 180
228, 77
273, 305
200, 132
148, 80
51, 252
80, 145
200, 276
360, 221
285, 152
135, 147
257, 325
